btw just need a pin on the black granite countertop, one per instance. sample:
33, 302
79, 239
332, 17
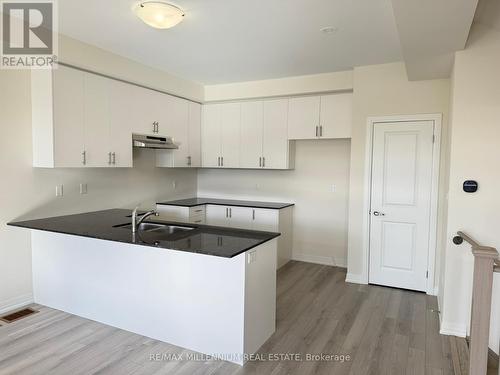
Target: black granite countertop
190, 202
107, 225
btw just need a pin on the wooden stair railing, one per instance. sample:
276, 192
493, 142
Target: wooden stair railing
485, 263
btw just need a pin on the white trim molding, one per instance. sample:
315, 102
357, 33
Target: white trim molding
354, 278
318, 259
371, 121
16, 303
452, 329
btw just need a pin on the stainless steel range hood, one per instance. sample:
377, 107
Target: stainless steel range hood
153, 141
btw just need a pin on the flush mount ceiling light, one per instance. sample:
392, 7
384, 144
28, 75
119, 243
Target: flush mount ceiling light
158, 14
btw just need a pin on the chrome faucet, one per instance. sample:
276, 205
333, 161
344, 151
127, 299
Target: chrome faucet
136, 222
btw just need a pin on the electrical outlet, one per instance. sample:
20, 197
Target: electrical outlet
59, 190
83, 188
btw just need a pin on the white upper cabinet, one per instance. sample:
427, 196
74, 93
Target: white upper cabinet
63, 129
183, 126
303, 117
210, 136
220, 139
336, 116
81, 119
277, 150
252, 124
121, 122
326, 117
97, 135
230, 121
194, 134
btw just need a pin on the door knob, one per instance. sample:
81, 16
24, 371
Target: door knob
376, 213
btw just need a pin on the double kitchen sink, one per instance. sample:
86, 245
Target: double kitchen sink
157, 228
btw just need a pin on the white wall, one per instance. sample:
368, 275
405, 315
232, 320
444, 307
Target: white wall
26, 192
384, 90
320, 216
314, 83
475, 154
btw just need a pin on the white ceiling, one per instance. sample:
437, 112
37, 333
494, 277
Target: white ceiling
223, 41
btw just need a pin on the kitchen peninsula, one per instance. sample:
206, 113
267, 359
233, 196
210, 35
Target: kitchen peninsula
205, 288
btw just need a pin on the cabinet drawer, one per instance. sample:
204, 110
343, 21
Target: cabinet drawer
197, 219
174, 213
197, 210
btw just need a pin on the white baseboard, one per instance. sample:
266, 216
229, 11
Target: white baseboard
354, 278
15, 303
453, 329
318, 259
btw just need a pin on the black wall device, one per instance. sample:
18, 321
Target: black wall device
470, 186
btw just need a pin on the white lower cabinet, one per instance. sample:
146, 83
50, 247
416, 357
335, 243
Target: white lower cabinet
195, 215
262, 219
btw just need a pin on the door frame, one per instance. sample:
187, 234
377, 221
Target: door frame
431, 289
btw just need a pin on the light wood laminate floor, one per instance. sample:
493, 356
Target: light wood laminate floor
383, 330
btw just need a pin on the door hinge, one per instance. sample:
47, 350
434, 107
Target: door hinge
433, 138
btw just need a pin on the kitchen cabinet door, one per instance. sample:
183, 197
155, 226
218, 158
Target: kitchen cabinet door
217, 215
194, 132
336, 115
303, 117
68, 116
240, 217
210, 136
147, 110
179, 130
275, 140
230, 123
121, 107
251, 134
97, 119
265, 219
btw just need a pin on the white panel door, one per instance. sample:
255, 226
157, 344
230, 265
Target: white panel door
210, 135
275, 139
178, 125
68, 117
251, 134
194, 134
336, 116
97, 121
230, 122
400, 203
240, 217
217, 215
303, 117
121, 108
265, 219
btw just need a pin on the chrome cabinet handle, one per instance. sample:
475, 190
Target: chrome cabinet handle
109, 158
222, 161
218, 161
321, 130
230, 212
260, 161
253, 214
316, 131
227, 212
84, 157
263, 161
114, 157
157, 127
377, 213
189, 160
